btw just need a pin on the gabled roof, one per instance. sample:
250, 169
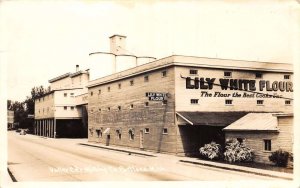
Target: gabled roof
254, 122
211, 118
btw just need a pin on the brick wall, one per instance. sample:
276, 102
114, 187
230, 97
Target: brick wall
155, 117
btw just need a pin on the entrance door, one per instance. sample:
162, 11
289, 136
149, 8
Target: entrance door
141, 139
107, 139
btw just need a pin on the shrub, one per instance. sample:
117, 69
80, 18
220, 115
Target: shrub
280, 158
237, 152
211, 151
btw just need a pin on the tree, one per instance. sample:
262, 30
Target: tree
23, 109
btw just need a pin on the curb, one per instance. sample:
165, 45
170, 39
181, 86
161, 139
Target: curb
11, 175
237, 169
120, 150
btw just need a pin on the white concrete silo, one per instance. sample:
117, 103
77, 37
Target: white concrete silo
124, 62
144, 60
101, 64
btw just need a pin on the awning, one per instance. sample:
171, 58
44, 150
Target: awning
208, 118
106, 131
255, 122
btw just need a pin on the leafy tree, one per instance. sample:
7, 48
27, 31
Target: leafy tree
23, 109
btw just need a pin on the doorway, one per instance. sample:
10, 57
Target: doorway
141, 139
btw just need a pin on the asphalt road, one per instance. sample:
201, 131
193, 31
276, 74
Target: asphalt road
33, 158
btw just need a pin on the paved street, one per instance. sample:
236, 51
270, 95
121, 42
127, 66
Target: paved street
33, 158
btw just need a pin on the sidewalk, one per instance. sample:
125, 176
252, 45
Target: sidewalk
195, 161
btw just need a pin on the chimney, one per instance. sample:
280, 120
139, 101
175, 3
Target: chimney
77, 68
117, 44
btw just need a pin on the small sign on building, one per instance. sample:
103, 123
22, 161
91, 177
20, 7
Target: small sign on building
153, 96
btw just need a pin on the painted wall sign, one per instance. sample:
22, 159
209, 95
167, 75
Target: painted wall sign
239, 84
152, 96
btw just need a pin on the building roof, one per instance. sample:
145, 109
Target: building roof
254, 122
60, 77
78, 73
201, 62
117, 35
211, 118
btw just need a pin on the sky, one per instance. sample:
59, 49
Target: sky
42, 40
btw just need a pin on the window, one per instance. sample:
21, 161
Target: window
131, 82
286, 77
147, 131
119, 86
258, 75
108, 108
146, 104
260, 102
268, 145
99, 91
99, 109
164, 102
240, 140
72, 107
108, 89
131, 106
91, 93
287, 102
71, 94
165, 130
91, 131
228, 101
65, 94
146, 78
65, 107
118, 133
99, 133
39, 100
193, 71
164, 73
39, 112
131, 134
227, 74
119, 108
194, 101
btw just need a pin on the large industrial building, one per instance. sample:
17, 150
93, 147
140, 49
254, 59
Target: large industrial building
62, 111
179, 103
172, 105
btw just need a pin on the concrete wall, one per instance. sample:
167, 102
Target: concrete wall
155, 117
61, 84
45, 107
80, 80
183, 95
255, 139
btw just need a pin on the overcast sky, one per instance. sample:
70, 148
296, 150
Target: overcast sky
42, 40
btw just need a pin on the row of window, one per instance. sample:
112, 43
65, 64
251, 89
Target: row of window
229, 74
66, 94
267, 143
46, 97
119, 108
118, 134
229, 101
131, 83
65, 108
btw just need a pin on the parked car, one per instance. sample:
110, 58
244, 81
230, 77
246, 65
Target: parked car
18, 130
23, 132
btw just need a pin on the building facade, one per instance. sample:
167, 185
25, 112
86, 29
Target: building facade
10, 119
179, 103
264, 133
61, 112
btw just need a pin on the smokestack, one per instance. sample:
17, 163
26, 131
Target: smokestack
77, 68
